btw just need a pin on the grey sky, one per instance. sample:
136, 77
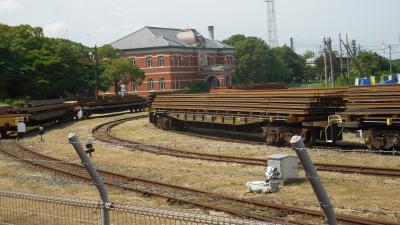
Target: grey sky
371, 22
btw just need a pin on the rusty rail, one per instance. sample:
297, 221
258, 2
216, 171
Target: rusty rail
164, 190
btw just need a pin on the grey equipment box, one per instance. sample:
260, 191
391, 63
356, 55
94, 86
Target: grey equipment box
288, 166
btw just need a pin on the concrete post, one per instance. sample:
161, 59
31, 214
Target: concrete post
73, 139
312, 175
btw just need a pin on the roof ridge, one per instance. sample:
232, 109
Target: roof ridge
163, 28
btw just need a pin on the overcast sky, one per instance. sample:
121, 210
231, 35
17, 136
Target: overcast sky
371, 22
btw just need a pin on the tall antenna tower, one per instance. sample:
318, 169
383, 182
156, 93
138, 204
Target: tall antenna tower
272, 30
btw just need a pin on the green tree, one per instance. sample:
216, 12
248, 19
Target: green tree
41, 67
371, 64
255, 61
293, 62
308, 54
311, 73
122, 71
396, 65
235, 39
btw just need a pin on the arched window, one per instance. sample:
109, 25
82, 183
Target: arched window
150, 86
162, 84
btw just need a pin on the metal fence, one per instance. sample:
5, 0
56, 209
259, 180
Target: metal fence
28, 208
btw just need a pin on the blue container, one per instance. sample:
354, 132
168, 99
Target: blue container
365, 81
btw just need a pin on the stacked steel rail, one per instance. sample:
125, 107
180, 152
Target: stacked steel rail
43, 111
287, 111
375, 110
112, 104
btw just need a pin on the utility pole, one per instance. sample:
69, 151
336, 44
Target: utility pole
390, 58
341, 53
325, 62
291, 44
348, 57
331, 61
353, 58
96, 73
354, 47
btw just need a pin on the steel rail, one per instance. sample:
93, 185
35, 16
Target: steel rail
112, 139
82, 174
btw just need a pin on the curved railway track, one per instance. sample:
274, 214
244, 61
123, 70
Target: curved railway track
258, 210
103, 133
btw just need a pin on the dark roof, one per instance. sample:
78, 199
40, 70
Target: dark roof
157, 37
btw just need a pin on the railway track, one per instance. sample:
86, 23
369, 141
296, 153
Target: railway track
103, 133
257, 210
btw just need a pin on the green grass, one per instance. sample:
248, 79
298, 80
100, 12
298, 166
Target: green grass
315, 84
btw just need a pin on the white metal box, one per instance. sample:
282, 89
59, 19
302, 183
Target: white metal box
288, 166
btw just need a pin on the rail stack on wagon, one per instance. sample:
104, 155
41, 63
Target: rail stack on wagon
278, 114
374, 111
112, 104
48, 111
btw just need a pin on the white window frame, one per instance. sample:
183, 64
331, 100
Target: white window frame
149, 61
161, 62
173, 60
150, 84
162, 84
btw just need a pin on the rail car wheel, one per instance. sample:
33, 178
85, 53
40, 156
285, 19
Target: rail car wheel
3, 130
164, 123
3, 133
381, 139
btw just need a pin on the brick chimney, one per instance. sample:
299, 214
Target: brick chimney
211, 32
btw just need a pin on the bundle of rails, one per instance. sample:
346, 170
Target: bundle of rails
318, 115
60, 111
258, 210
103, 133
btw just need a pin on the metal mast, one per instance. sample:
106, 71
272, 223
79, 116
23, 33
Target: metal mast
272, 30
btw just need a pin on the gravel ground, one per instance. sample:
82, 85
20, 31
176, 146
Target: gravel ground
351, 194
144, 132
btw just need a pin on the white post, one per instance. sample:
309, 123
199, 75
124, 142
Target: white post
312, 175
98, 182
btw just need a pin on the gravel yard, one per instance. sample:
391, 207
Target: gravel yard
351, 194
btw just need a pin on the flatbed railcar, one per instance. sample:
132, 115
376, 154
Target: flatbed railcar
373, 112
133, 103
48, 111
322, 115
10, 122
278, 114
41, 112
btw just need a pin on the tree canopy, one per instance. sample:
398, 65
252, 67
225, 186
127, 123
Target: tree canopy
32, 65
371, 64
41, 67
257, 62
121, 70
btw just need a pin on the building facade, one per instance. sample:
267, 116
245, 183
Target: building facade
174, 58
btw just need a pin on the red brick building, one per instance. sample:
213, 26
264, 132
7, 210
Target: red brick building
173, 58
